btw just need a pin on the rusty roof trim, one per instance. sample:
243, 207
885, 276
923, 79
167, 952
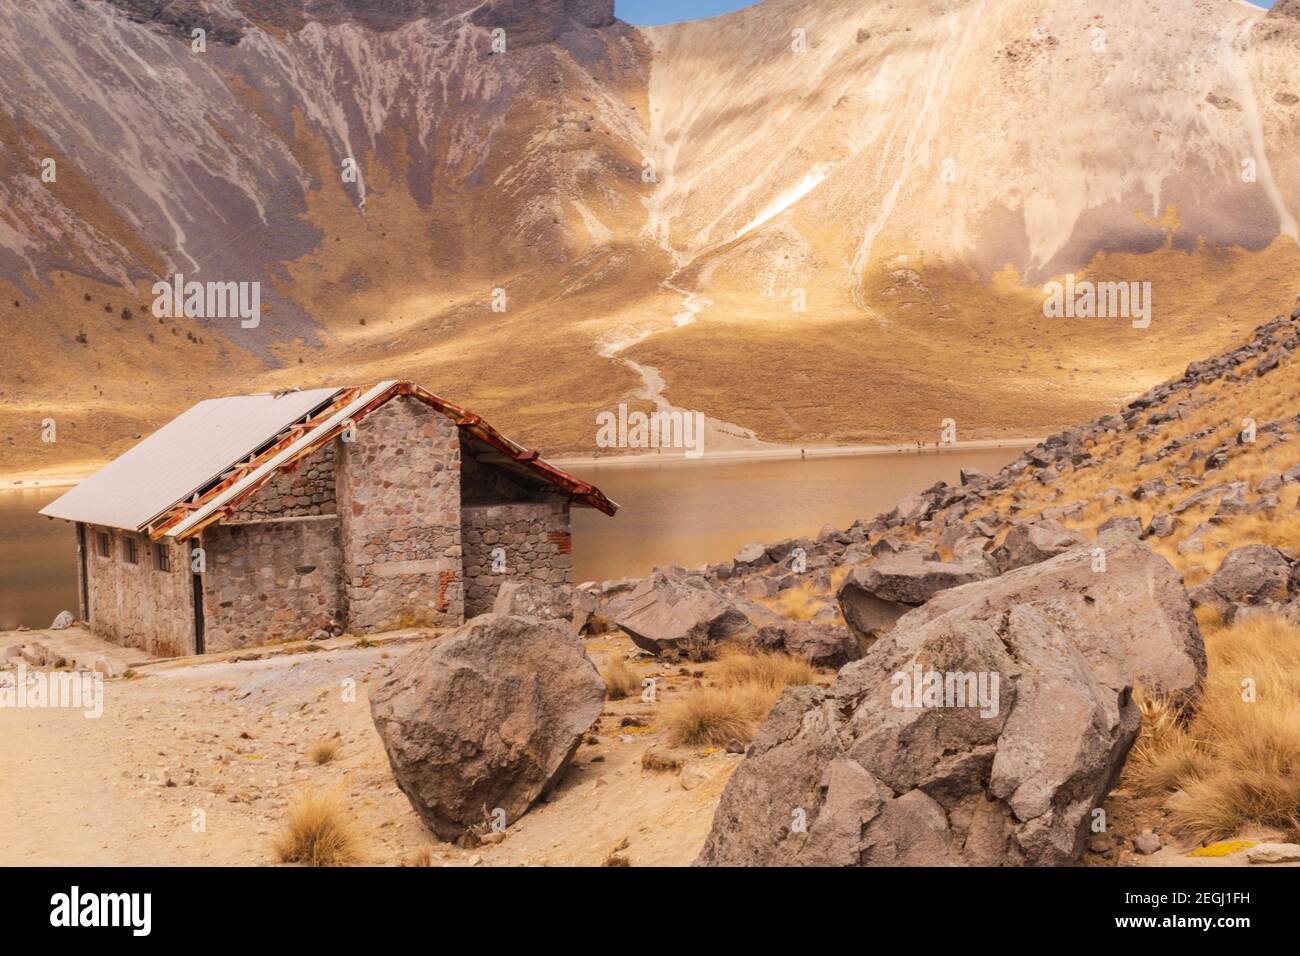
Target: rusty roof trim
349, 407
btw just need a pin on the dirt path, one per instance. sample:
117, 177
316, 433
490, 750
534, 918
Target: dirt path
194, 764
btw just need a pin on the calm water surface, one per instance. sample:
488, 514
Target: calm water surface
680, 513
38, 560
691, 513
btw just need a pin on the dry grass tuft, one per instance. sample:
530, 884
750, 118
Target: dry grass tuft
324, 751
715, 716
798, 603
317, 832
1238, 758
774, 671
620, 680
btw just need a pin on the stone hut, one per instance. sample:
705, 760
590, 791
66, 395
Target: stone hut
267, 517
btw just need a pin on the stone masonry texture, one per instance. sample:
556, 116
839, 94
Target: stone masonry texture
398, 492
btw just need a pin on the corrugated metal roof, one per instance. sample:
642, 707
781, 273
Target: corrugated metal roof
258, 476
182, 457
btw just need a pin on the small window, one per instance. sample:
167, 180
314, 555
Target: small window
162, 557
132, 555
101, 543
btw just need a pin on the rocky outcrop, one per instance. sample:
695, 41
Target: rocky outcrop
487, 717
1248, 577
983, 729
977, 737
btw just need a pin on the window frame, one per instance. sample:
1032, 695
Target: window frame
130, 550
103, 545
162, 559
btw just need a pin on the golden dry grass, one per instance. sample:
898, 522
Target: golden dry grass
749, 684
317, 832
620, 680
798, 603
324, 751
1238, 757
715, 716
775, 671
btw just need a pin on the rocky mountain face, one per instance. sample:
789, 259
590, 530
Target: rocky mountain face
442, 189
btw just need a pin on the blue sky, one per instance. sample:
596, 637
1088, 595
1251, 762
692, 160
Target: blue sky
653, 12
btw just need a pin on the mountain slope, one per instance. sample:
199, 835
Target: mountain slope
654, 205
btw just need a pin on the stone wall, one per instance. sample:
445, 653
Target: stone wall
398, 490
137, 605
307, 490
534, 538
270, 580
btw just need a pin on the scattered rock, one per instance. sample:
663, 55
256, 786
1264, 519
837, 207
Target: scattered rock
667, 615
1129, 525
1138, 623
752, 556
526, 597
1162, 526
692, 775
822, 645
879, 783
1027, 544
1256, 574
1274, 853
1147, 843
909, 579
62, 621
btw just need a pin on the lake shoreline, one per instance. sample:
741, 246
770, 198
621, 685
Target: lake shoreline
793, 452
730, 456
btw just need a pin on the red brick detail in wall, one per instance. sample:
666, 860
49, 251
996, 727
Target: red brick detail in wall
445, 580
562, 540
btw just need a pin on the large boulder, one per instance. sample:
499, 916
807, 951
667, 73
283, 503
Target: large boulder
822, 645
674, 616
1027, 544
1253, 575
977, 737
487, 717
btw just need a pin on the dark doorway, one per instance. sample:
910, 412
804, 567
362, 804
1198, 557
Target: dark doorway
81, 573
198, 612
